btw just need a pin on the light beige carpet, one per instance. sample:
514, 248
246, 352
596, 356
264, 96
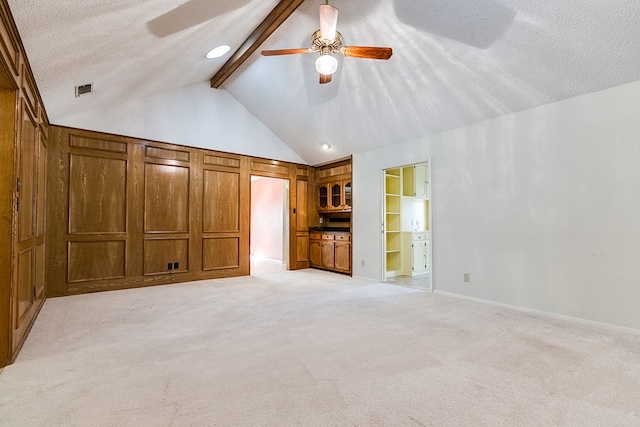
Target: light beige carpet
312, 348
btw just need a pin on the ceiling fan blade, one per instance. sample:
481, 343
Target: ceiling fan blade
367, 52
325, 78
285, 52
328, 22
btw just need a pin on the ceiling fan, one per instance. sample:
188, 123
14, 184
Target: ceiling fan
327, 41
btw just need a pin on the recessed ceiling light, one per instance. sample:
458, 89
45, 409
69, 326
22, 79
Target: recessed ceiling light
326, 146
218, 51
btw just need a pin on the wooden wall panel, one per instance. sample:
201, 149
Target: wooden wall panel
179, 204
26, 173
302, 248
9, 44
299, 222
43, 121
97, 195
41, 186
271, 168
96, 260
221, 202
29, 91
166, 199
160, 252
167, 154
7, 209
40, 271
97, 144
301, 203
219, 160
220, 253
24, 292
5, 81
335, 169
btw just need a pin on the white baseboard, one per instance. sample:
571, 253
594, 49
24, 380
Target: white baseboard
542, 313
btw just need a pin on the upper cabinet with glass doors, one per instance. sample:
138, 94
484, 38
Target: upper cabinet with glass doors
334, 196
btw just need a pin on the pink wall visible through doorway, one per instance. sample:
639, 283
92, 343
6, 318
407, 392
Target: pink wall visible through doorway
267, 216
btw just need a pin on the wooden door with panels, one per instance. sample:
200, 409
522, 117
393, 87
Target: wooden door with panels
225, 215
28, 279
300, 214
23, 154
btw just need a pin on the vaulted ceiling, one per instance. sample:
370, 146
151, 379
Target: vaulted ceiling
455, 62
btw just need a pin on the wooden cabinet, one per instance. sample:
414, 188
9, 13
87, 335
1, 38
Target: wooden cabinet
415, 182
415, 253
330, 250
323, 197
315, 249
342, 256
328, 256
334, 196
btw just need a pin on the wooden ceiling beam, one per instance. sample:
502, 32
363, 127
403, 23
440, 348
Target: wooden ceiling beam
276, 17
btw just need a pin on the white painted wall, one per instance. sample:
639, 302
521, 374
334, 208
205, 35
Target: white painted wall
541, 207
197, 116
413, 214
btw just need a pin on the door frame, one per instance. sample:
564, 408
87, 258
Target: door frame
8, 139
286, 217
383, 224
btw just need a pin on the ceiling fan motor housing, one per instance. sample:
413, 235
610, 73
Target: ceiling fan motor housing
318, 44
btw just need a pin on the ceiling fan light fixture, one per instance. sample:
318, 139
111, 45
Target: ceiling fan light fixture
218, 51
326, 64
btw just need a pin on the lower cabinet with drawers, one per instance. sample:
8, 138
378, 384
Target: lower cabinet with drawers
330, 250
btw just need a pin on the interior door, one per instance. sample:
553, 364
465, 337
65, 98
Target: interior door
28, 289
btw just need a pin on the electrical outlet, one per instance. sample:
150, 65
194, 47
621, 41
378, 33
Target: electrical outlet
169, 266
175, 265
362, 263
466, 277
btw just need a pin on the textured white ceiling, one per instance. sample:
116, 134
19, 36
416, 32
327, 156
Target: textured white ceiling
455, 62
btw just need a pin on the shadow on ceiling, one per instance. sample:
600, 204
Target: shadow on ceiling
189, 14
475, 23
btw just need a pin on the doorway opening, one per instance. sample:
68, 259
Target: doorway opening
407, 225
269, 235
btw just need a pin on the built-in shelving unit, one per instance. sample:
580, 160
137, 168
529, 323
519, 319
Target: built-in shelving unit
406, 220
393, 193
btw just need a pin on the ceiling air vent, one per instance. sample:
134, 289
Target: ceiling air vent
84, 89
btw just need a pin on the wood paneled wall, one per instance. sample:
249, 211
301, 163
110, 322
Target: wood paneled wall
125, 212
23, 154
